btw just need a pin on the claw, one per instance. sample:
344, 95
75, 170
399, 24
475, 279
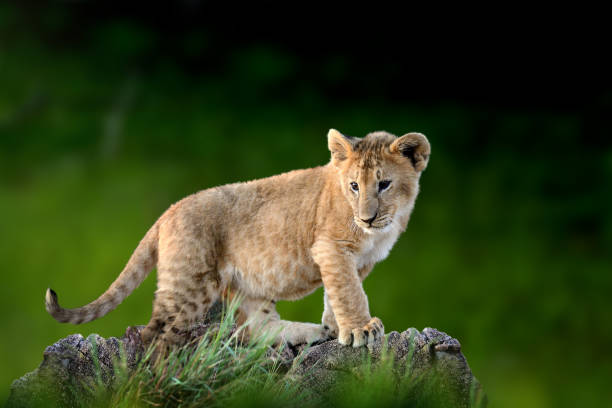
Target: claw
361, 336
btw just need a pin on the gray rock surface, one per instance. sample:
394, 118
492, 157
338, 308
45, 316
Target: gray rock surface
422, 356
72, 363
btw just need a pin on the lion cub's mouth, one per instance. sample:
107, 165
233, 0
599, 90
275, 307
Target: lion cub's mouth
377, 226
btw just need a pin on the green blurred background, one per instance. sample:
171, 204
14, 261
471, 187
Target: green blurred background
109, 115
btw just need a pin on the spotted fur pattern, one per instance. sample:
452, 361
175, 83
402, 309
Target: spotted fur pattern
277, 238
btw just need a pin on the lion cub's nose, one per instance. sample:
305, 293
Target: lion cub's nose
370, 220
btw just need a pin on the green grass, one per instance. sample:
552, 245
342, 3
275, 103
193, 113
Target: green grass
221, 370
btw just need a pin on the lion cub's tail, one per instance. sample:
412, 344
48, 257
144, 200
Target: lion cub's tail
138, 267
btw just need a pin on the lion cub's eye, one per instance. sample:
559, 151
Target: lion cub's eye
383, 185
354, 186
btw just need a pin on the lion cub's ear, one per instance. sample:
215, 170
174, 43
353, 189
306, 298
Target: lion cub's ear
415, 147
339, 145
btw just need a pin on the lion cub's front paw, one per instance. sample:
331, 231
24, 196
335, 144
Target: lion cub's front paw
361, 336
331, 331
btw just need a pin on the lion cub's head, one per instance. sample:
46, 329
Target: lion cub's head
379, 175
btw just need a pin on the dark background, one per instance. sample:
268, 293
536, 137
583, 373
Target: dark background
108, 114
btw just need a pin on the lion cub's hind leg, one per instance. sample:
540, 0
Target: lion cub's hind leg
188, 281
175, 311
261, 315
186, 291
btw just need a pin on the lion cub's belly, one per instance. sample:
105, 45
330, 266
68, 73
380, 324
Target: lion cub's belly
277, 279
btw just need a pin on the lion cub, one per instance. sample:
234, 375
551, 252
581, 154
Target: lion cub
277, 238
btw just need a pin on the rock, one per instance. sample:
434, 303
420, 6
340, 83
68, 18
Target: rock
73, 364
427, 357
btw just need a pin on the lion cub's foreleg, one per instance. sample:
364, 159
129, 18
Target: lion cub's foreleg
344, 296
329, 319
261, 315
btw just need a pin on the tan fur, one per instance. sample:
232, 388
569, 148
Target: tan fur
278, 238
